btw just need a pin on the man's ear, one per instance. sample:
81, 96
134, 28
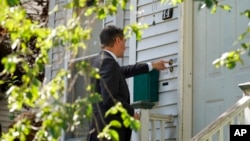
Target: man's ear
117, 40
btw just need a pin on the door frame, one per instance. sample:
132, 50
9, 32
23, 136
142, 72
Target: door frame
186, 71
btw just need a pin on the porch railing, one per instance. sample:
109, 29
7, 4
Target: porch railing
158, 123
153, 126
237, 114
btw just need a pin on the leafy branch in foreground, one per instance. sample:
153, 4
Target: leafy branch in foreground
128, 121
230, 59
47, 99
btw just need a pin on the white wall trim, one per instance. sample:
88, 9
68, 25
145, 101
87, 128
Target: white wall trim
69, 14
132, 46
132, 55
51, 16
185, 76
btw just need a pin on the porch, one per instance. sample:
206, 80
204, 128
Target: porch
218, 130
158, 127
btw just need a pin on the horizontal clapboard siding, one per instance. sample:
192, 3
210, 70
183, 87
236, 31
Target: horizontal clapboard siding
161, 42
158, 40
121, 20
126, 21
57, 58
56, 55
4, 115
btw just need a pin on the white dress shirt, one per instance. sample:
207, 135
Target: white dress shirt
150, 67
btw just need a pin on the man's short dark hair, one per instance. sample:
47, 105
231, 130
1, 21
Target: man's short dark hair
109, 34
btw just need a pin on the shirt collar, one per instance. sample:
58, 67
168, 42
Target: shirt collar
112, 54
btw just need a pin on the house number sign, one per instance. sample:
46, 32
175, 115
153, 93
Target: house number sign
167, 14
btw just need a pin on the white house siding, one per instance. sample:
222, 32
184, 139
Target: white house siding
56, 54
4, 115
126, 21
93, 47
158, 42
121, 20
161, 42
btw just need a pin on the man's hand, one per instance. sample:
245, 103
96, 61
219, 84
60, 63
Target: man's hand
137, 116
159, 65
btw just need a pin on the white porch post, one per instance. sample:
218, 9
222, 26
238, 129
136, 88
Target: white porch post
143, 109
245, 87
185, 90
144, 125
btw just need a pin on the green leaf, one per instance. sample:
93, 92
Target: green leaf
112, 111
114, 135
135, 125
101, 13
94, 98
1, 82
236, 57
231, 54
25, 79
115, 123
242, 36
90, 11
172, 2
89, 110
123, 4
209, 3
246, 13
12, 3
230, 65
214, 9
226, 7
244, 45
126, 122
10, 63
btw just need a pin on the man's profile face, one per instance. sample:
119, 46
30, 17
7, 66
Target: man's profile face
121, 46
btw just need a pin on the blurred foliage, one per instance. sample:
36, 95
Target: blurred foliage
47, 98
12, 3
128, 121
36, 11
134, 28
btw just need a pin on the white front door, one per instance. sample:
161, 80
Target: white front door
215, 90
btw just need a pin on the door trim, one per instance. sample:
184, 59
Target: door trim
186, 67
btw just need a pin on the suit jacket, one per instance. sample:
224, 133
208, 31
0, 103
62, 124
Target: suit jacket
113, 88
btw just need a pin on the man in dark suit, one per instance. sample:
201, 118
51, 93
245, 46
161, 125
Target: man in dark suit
112, 85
